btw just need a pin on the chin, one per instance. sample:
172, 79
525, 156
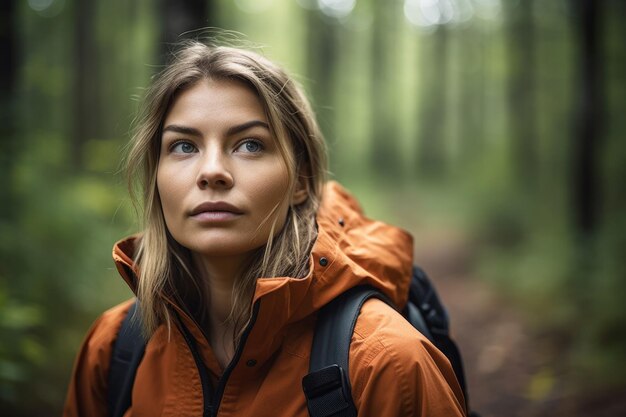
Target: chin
217, 247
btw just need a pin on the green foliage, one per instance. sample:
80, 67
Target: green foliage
57, 272
602, 331
568, 288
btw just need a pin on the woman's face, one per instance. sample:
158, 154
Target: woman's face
221, 178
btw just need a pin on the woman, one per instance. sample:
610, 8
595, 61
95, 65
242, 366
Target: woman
243, 242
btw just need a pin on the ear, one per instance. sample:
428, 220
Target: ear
301, 191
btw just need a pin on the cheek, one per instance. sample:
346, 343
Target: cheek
272, 185
161, 187
272, 190
166, 185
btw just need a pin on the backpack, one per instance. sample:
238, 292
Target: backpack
326, 386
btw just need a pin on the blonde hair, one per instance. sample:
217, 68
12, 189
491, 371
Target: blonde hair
164, 266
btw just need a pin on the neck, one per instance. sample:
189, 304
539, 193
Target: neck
219, 275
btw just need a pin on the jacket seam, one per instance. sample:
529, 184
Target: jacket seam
401, 377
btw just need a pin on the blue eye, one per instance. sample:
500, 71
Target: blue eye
183, 147
250, 146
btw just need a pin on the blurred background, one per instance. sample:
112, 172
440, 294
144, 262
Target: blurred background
493, 130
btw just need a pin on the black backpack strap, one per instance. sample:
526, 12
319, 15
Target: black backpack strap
128, 351
327, 386
426, 313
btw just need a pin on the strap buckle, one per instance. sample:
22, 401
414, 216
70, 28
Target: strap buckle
328, 393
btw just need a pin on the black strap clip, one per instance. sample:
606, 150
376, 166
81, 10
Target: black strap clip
328, 393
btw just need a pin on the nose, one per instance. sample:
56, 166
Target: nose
214, 171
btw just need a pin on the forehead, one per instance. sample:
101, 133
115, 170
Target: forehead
215, 100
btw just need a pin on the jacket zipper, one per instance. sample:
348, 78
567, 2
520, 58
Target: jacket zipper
205, 382
214, 405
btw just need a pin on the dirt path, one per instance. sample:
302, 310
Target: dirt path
510, 370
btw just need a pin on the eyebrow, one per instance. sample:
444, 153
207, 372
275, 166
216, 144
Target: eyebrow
245, 126
182, 129
231, 131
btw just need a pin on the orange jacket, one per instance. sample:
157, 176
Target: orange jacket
394, 370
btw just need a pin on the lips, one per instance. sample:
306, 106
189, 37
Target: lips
215, 207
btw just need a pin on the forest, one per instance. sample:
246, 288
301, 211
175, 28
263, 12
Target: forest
492, 130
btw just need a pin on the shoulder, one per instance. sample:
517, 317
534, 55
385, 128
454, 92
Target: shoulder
396, 370
88, 384
95, 353
379, 328
104, 330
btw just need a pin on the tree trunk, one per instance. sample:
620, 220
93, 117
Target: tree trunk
521, 87
434, 68
85, 82
385, 155
7, 113
184, 19
471, 127
589, 119
322, 66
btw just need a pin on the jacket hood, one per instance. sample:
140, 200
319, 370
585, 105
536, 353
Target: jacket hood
350, 250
